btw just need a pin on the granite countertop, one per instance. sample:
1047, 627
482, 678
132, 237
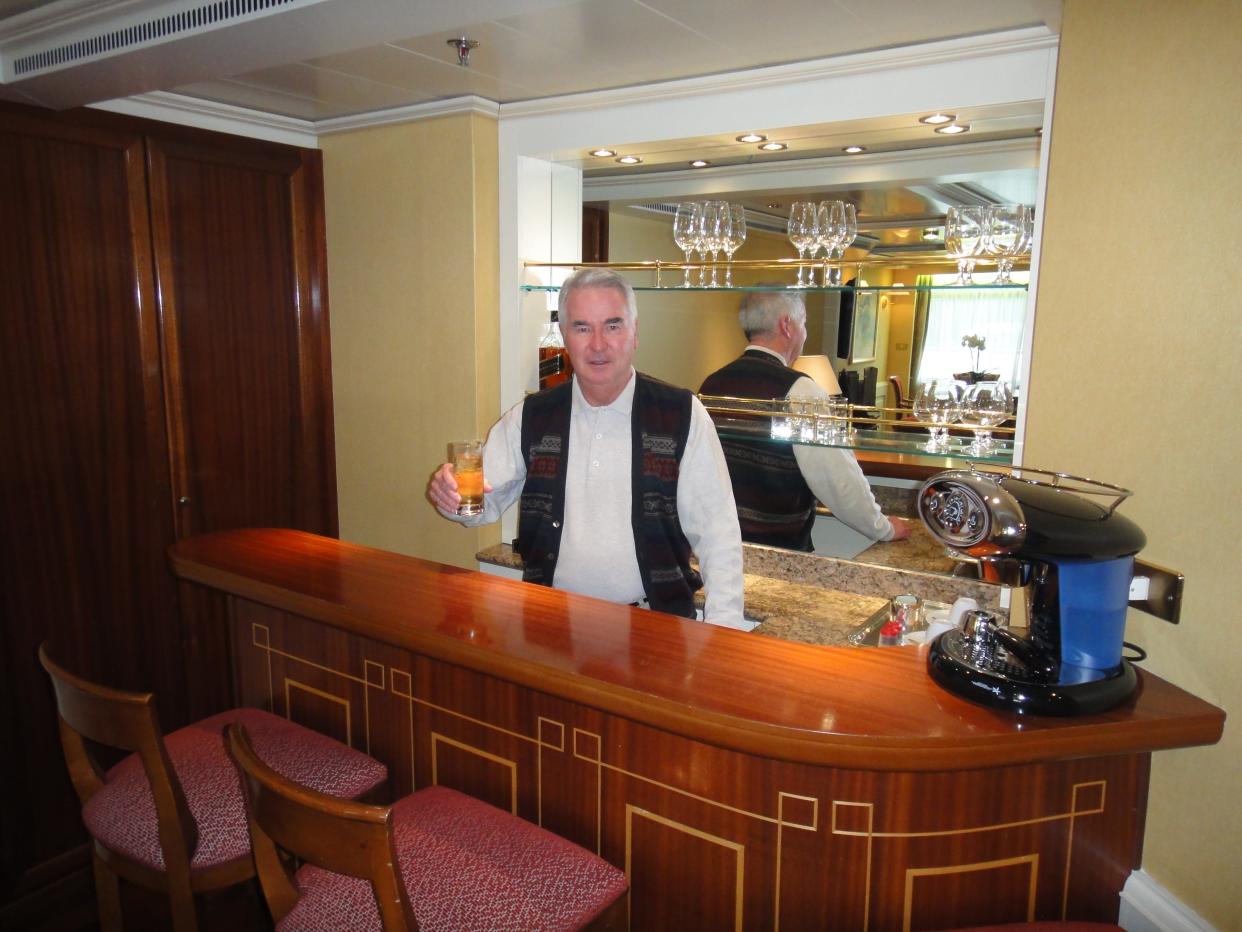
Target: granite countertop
920, 551
820, 600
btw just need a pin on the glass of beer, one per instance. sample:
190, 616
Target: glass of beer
467, 459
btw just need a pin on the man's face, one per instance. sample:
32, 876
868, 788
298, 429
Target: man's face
600, 339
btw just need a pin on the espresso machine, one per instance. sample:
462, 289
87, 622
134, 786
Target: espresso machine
1062, 540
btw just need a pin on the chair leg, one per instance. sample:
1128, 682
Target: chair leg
107, 895
181, 899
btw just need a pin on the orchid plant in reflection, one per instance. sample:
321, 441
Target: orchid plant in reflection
976, 345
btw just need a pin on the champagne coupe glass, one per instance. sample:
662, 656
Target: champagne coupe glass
802, 227
940, 402
737, 236
686, 231
986, 404
964, 232
1006, 237
715, 231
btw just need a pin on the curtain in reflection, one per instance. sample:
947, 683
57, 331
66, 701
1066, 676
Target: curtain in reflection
922, 301
995, 315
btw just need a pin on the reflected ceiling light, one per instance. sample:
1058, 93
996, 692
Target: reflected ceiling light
700, 163
953, 129
773, 146
938, 118
752, 137
775, 205
603, 153
854, 150
629, 160
931, 233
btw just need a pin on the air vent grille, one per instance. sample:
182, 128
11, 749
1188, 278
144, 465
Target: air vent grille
163, 27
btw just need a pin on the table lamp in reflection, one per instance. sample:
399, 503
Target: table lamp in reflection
819, 368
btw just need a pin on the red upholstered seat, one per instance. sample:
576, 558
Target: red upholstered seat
122, 817
466, 866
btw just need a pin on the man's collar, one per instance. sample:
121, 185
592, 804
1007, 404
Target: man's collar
622, 404
771, 352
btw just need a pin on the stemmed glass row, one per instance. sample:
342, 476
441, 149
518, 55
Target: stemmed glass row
829, 225
709, 227
980, 407
1002, 231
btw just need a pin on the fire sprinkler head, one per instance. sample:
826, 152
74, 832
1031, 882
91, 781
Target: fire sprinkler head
464, 47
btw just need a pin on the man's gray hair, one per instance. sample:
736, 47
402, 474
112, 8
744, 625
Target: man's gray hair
596, 278
761, 311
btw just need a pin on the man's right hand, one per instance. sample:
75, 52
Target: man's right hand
901, 528
442, 489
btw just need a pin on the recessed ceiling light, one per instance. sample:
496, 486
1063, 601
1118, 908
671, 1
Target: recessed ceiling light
603, 153
629, 160
775, 205
700, 163
752, 137
953, 129
854, 150
937, 119
773, 146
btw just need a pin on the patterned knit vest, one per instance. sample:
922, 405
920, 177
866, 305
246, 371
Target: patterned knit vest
775, 506
660, 423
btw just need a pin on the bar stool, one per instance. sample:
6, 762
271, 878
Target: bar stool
434, 860
171, 816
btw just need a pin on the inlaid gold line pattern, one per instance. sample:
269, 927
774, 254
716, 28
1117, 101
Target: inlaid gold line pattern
737, 848
781, 823
264, 644
310, 663
367, 667
558, 746
394, 676
995, 827
912, 874
594, 758
437, 739
349, 723
409, 694
1069, 836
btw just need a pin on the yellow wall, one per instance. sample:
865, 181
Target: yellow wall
1135, 377
412, 266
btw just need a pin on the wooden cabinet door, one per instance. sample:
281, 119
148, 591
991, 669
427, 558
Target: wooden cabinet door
237, 227
84, 483
239, 261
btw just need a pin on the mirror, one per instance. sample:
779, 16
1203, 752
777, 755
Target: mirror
901, 187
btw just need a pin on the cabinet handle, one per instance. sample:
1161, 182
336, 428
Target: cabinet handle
183, 500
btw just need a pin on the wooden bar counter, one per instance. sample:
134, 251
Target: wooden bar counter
742, 782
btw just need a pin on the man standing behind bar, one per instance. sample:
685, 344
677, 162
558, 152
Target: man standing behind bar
620, 476
776, 486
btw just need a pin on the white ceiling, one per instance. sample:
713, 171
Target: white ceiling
311, 61
318, 59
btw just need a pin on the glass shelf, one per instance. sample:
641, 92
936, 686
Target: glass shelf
876, 440
817, 289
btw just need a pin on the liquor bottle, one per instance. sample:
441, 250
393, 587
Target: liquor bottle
554, 364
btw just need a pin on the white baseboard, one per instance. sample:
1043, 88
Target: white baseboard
1146, 906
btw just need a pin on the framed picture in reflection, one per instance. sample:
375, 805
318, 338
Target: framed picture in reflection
863, 328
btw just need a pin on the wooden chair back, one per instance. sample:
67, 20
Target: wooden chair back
339, 835
128, 721
899, 397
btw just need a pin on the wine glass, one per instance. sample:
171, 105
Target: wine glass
686, 231
803, 229
737, 236
842, 221
964, 232
940, 402
1006, 237
831, 230
986, 404
715, 231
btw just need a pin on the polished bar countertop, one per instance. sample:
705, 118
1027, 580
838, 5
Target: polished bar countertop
845, 707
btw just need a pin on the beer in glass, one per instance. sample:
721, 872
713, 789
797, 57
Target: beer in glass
467, 459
